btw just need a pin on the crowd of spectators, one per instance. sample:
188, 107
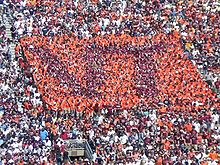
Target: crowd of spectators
116, 73
199, 31
17, 136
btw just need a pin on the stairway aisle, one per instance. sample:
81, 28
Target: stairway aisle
9, 35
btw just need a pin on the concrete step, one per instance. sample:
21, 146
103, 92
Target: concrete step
9, 35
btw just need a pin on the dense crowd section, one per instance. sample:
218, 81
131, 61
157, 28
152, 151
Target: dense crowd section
116, 73
104, 76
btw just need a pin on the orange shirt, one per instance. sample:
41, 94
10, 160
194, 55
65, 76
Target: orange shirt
167, 145
199, 139
204, 163
213, 155
159, 161
188, 127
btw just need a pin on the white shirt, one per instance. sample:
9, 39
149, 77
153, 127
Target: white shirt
153, 117
105, 138
47, 143
197, 127
16, 150
20, 31
116, 138
30, 148
29, 29
100, 120
37, 138
23, 3
106, 22
215, 118
111, 132
124, 139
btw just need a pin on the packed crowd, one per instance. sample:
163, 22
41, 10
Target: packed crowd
116, 73
16, 138
88, 19
90, 79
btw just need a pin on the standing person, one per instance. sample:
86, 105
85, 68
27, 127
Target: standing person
58, 157
43, 134
65, 157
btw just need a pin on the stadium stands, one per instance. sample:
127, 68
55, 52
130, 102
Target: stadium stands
137, 79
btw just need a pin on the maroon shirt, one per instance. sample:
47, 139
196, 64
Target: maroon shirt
64, 136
